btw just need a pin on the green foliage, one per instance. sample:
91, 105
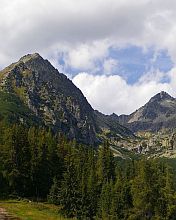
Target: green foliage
152, 190
106, 201
105, 164
86, 183
12, 110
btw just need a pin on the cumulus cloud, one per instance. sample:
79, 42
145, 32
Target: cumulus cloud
81, 33
85, 56
73, 26
113, 94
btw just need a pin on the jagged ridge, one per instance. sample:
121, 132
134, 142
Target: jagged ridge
159, 113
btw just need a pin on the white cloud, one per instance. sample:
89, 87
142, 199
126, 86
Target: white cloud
111, 94
85, 56
82, 33
153, 76
172, 75
73, 26
110, 65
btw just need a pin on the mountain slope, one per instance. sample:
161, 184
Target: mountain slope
53, 99
110, 125
13, 110
158, 113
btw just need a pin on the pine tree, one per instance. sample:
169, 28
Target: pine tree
105, 164
69, 193
144, 190
54, 193
105, 203
92, 191
16, 159
166, 207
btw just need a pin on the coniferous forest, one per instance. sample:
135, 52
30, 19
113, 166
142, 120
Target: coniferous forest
87, 183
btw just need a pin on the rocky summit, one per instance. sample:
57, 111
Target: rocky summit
33, 91
159, 113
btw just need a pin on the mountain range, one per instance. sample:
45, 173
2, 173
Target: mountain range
33, 92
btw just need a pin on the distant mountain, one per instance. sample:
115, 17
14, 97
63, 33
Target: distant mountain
110, 125
32, 91
158, 113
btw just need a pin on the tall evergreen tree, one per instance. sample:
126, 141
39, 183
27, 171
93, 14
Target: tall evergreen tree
105, 164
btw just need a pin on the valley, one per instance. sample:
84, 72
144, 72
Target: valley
60, 158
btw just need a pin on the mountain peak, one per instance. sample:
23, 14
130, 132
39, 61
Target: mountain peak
28, 57
55, 101
161, 96
37, 63
155, 115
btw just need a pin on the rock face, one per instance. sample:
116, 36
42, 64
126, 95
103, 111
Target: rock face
110, 124
158, 113
52, 98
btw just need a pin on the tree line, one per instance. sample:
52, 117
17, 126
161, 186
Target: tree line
87, 183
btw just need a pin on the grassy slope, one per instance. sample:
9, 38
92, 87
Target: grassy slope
31, 211
12, 108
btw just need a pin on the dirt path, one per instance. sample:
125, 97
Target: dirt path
5, 216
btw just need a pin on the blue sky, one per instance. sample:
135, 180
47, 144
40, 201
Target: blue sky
132, 63
135, 62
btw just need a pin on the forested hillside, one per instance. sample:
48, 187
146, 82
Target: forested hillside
86, 183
